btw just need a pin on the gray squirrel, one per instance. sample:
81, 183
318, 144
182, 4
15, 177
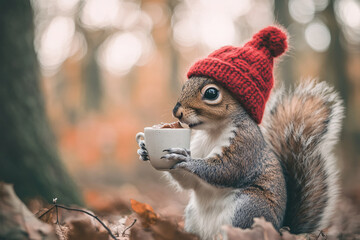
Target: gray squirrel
238, 169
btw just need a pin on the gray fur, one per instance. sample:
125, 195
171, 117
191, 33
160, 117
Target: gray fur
301, 127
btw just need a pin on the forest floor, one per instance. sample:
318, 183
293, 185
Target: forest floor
142, 210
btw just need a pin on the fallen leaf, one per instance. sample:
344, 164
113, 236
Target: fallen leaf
145, 212
166, 229
139, 233
155, 226
231, 233
261, 229
46, 216
17, 222
81, 229
62, 232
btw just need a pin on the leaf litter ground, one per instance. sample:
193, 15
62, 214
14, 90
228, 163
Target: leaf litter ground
118, 218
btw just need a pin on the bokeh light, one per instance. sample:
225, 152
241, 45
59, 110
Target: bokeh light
261, 17
100, 13
157, 12
317, 35
120, 53
320, 5
208, 23
79, 46
67, 6
56, 42
348, 14
302, 10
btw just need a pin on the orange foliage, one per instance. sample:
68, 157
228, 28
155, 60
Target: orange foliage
100, 139
145, 212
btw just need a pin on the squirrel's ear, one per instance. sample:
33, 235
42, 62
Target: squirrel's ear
271, 38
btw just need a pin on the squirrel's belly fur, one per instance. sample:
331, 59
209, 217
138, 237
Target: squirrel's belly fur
209, 207
204, 144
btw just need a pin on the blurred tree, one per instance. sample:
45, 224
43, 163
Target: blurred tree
174, 55
91, 71
28, 156
336, 56
282, 16
335, 72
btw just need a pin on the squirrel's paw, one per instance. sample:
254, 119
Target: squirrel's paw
143, 153
186, 165
177, 154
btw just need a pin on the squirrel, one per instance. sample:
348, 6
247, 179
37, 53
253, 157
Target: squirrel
247, 160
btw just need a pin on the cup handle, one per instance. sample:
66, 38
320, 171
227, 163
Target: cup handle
139, 136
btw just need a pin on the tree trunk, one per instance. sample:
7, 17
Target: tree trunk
28, 155
92, 80
335, 72
282, 16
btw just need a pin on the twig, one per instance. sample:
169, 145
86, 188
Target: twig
130, 226
56, 206
322, 234
46, 212
90, 214
57, 214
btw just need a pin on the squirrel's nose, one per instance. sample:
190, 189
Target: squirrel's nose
178, 111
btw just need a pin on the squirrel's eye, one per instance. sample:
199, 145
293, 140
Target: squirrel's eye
211, 94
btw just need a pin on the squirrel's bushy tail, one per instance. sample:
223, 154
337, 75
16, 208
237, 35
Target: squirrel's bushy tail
302, 127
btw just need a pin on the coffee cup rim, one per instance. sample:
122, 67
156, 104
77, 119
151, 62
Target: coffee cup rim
164, 129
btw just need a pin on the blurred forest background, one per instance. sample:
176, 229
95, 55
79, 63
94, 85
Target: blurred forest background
109, 68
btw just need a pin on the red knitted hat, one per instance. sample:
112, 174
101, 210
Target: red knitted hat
246, 71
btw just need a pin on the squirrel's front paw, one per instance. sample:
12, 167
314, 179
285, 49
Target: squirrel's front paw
180, 155
143, 153
177, 154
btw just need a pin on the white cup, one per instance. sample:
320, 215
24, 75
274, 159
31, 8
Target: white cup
159, 139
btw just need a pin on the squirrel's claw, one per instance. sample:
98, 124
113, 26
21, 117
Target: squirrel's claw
142, 145
181, 151
143, 153
144, 158
180, 155
175, 157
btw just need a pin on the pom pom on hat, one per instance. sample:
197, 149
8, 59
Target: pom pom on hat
247, 72
272, 38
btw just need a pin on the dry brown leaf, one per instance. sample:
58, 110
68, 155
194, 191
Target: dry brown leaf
166, 229
286, 235
261, 229
260, 224
139, 233
107, 205
17, 222
145, 212
81, 229
47, 217
115, 206
231, 233
156, 227
62, 232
